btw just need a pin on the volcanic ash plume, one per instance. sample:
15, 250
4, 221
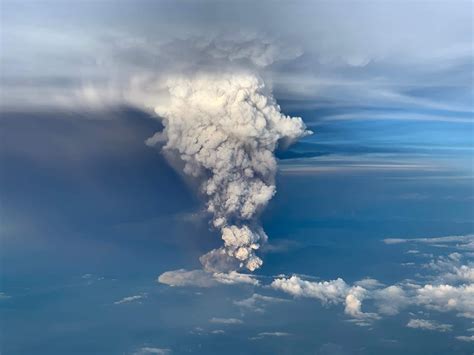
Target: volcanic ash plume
225, 128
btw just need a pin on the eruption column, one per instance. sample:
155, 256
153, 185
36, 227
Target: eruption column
225, 129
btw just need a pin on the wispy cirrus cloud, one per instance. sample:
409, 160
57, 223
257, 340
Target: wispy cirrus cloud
467, 338
228, 321
258, 303
152, 350
270, 334
465, 242
129, 299
429, 325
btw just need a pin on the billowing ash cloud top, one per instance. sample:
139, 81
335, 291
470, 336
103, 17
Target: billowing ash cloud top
225, 128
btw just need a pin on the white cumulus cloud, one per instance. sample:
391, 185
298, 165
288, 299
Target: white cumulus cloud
445, 298
328, 292
391, 299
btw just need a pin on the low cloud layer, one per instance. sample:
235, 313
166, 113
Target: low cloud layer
445, 287
328, 292
450, 288
201, 278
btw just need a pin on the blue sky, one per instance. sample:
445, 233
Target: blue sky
370, 232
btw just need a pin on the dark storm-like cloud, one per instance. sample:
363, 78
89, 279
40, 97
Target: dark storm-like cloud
90, 55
